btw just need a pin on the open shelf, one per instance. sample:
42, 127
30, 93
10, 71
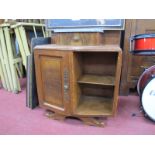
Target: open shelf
94, 105
97, 80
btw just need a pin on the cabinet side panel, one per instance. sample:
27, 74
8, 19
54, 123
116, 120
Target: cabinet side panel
77, 72
117, 81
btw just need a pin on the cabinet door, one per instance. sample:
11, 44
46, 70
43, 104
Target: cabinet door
52, 74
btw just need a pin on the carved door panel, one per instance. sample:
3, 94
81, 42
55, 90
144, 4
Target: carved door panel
53, 83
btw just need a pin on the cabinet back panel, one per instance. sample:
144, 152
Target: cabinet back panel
93, 90
99, 63
51, 78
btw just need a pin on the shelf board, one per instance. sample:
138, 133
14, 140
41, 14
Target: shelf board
97, 79
94, 106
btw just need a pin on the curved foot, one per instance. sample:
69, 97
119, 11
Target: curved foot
55, 116
92, 121
86, 120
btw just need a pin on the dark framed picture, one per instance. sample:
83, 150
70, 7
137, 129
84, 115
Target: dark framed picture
84, 25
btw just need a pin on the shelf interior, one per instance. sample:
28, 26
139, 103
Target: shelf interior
95, 83
97, 79
94, 105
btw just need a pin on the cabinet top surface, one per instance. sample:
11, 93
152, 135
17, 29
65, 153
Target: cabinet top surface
110, 48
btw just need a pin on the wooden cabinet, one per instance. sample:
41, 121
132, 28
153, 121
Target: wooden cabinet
133, 65
80, 81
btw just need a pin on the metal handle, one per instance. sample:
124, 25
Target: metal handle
66, 80
66, 87
66, 84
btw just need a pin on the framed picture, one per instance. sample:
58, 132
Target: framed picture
84, 25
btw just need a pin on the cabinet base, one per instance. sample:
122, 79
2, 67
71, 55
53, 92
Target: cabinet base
92, 121
54, 115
